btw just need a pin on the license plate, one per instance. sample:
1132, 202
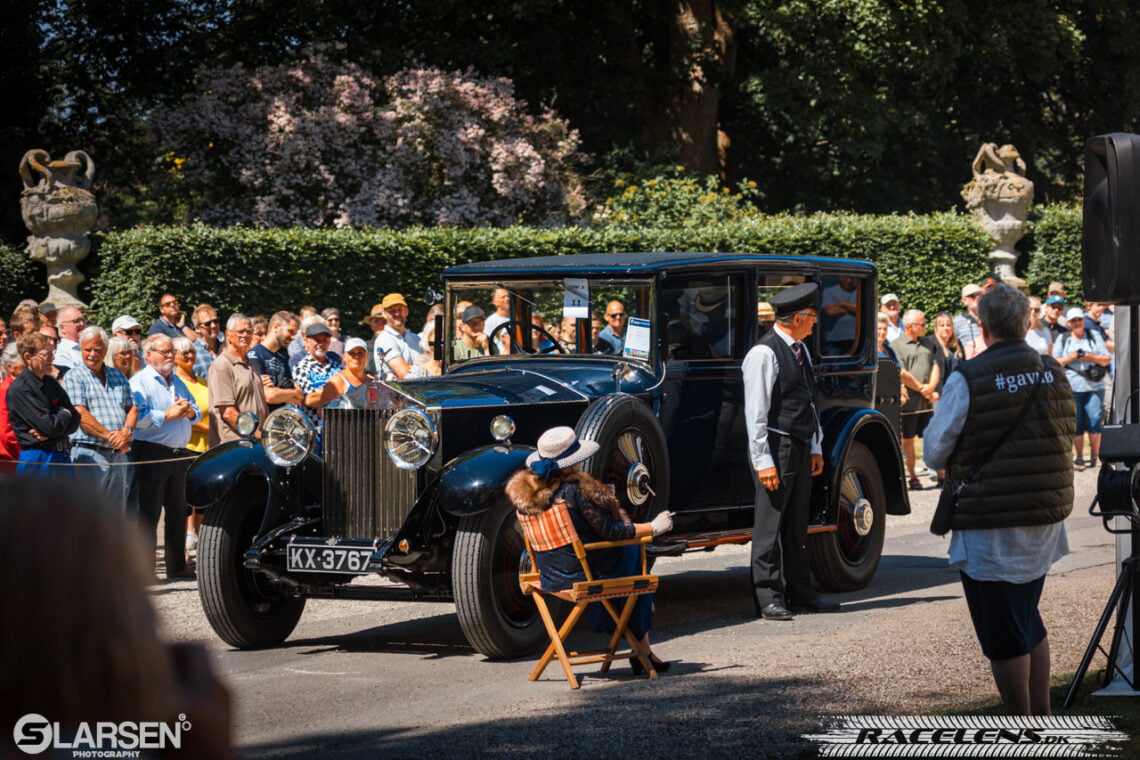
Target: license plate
302, 558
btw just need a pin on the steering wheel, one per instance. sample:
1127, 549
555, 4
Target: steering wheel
555, 345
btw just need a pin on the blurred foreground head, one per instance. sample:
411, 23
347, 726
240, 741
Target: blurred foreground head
79, 639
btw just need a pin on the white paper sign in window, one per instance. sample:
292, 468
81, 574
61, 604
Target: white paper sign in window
576, 303
637, 338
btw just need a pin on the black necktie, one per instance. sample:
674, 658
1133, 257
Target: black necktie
809, 379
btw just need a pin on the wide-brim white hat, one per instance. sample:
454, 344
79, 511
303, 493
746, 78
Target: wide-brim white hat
562, 445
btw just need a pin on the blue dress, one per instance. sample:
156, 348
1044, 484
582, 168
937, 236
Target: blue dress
559, 568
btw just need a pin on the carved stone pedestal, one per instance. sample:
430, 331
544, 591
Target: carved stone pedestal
58, 209
999, 196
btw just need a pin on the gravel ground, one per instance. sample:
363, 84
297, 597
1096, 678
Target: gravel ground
739, 688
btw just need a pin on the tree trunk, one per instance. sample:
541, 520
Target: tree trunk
697, 54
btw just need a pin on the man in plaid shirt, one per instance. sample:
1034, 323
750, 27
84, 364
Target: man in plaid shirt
107, 417
319, 364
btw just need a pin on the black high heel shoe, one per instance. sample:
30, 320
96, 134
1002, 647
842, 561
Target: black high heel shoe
659, 665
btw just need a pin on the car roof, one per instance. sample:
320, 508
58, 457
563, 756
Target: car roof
645, 263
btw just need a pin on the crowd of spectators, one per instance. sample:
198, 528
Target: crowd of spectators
127, 409
134, 412
1081, 339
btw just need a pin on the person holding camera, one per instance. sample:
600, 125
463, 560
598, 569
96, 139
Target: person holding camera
1085, 358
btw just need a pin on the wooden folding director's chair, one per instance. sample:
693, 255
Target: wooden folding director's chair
552, 529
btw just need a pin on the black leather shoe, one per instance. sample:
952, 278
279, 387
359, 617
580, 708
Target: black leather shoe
661, 666
775, 611
816, 604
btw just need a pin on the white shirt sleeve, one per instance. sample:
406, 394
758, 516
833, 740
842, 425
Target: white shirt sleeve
941, 435
759, 369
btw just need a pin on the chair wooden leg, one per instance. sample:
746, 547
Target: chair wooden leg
556, 646
621, 629
620, 625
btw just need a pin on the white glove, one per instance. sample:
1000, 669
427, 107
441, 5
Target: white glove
663, 523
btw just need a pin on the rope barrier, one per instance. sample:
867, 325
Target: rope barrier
132, 463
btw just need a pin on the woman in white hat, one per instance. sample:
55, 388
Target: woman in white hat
552, 479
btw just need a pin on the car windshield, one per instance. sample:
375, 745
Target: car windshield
569, 316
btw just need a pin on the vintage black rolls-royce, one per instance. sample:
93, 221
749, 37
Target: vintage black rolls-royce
408, 484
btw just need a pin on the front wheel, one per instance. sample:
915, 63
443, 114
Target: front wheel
242, 607
846, 559
498, 619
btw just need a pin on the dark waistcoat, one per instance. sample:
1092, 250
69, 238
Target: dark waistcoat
1029, 479
792, 409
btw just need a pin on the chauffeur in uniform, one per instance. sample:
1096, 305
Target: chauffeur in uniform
784, 445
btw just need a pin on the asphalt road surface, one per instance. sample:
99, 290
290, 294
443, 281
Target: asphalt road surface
398, 680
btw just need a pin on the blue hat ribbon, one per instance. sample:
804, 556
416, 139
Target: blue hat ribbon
547, 467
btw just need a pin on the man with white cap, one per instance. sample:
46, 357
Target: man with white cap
893, 309
966, 326
785, 447
128, 328
1085, 358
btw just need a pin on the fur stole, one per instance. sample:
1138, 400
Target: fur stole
531, 495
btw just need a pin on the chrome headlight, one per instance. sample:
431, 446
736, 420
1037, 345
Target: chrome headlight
288, 436
410, 438
502, 428
246, 424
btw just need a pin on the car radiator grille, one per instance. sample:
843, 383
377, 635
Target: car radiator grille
365, 495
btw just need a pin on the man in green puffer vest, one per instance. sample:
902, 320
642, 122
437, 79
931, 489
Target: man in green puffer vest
1008, 528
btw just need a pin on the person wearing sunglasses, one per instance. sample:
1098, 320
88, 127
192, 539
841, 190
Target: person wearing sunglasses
613, 334
207, 345
171, 321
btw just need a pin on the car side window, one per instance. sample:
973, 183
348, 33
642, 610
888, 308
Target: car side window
703, 317
767, 286
842, 301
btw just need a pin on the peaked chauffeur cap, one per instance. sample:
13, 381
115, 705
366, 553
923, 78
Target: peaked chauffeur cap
794, 299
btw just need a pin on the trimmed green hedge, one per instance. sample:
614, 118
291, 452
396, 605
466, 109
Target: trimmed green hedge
20, 278
924, 259
1057, 251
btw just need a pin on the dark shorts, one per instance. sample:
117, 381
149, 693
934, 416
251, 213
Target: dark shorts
1005, 616
914, 424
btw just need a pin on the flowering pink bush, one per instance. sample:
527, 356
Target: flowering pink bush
322, 143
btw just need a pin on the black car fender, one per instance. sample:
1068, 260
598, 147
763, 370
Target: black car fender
873, 430
473, 481
223, 468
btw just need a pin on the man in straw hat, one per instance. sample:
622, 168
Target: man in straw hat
784, 444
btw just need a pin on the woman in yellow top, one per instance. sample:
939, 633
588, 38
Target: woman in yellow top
184, 355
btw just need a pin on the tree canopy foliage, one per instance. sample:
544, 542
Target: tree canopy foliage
863, 105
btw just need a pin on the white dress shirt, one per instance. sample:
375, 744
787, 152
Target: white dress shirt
760, 369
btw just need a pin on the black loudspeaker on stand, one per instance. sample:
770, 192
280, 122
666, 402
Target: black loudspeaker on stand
1126, 588
1110, 257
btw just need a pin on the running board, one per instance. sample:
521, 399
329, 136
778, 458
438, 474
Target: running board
678, 544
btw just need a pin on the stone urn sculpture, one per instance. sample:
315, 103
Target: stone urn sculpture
999, 196
58, 209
